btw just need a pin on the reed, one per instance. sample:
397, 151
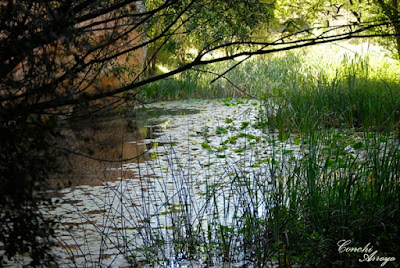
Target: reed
293, 206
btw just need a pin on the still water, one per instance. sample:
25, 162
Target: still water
196, 161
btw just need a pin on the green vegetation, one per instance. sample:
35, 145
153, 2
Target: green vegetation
343, 114
200, 25
339, 185
348, 85
64, 63
335, 193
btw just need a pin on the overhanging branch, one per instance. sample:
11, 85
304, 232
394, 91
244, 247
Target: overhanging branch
196, 62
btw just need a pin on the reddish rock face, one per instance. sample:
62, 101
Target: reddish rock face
127, 66
105, 55
107, 65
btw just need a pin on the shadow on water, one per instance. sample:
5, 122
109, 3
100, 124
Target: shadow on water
98, 147
146, 123
145, 116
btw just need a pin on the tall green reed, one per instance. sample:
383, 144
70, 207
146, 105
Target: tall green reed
352, 98
346, 195
337, 185
342, 183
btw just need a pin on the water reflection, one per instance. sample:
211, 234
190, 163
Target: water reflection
169, 185
98, 147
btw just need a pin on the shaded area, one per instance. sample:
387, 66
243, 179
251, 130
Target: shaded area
98, 146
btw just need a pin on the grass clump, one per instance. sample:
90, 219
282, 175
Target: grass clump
291, 210
351, 99
325, 87
337, 193
190, 84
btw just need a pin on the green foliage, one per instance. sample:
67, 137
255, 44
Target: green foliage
300, 16
205, 145
202, 25
310, 202
50, 72
340, 181
342, 200
353, 98
381, 11
190, 84
221, 130
26, 161
322, 69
